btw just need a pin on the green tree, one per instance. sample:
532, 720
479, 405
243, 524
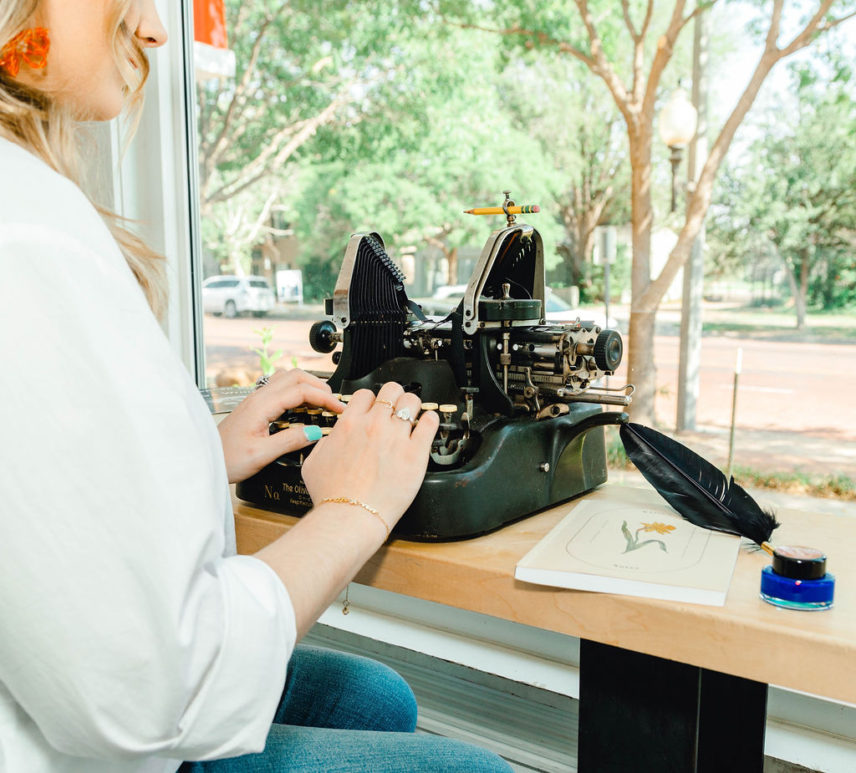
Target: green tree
630, 51
442, 144
301, 66
796, 189
577, 128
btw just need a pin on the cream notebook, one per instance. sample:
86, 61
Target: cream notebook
633, 550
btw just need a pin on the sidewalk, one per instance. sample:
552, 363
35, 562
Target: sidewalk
770, 452
766, 498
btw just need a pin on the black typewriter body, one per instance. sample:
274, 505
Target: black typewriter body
521, 416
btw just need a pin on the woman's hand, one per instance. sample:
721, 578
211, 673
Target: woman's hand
247, 443
373, 456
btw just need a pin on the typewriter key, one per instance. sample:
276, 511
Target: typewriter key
429, 406
448, 408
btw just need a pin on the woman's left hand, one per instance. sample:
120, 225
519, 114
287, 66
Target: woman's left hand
247, 443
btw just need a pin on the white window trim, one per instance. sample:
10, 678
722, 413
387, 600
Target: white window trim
156, 183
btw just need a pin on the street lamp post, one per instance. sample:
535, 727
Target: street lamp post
678, 121
687, 121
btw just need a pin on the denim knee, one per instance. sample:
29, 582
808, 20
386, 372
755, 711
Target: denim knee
326, 688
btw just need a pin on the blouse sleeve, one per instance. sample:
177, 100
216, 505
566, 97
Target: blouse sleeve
126, 631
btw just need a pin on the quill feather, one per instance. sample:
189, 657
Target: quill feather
694, 487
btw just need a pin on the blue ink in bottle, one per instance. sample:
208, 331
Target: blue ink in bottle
797, 579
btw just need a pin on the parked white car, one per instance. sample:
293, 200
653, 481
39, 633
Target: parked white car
234, 295
447, 297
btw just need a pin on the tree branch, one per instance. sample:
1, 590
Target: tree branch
701, 198
238, 97
665, 49
277, 153
802, 39
701, 7
601, 65
649, 12
542, 38
628, 22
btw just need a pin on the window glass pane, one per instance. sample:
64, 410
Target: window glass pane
317, 120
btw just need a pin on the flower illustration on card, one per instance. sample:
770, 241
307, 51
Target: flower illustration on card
633, 542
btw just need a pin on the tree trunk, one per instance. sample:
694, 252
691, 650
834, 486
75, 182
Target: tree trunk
802, 292
452, 260
641, 369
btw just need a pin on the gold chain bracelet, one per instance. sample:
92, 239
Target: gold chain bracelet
357, 503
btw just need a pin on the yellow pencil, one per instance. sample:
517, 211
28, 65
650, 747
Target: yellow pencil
524, 209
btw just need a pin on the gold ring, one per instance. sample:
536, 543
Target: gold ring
385, 402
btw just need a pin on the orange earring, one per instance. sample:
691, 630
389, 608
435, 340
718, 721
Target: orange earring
30, 46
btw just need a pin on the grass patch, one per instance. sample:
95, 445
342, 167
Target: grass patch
616, 457
824, 486
758, 329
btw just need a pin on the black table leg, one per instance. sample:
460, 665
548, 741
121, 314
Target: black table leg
641, 713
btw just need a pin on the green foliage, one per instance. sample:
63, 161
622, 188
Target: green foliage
442, 145
829, 486
616, 456
582, 144
301, 67
267, 359
619, 278
794, 193
833, 286
319, 276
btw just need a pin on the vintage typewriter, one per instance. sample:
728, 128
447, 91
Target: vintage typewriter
521, 422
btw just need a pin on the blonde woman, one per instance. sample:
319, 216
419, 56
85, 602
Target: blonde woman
131, 636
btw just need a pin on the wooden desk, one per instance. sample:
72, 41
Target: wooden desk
813, 652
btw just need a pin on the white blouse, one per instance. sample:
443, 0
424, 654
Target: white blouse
131, 636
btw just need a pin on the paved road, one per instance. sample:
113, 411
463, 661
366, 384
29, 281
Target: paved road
784, 388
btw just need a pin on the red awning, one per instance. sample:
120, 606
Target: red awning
209, 20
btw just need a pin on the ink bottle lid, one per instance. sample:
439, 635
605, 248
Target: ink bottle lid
797, 579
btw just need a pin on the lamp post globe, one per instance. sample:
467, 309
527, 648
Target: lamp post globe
677, 126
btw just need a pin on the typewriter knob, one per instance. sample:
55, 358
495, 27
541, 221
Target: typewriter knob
608, 350
322, 336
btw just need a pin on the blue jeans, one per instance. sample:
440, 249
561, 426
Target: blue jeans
346, 713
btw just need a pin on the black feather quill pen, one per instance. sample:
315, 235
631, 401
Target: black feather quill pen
694, 487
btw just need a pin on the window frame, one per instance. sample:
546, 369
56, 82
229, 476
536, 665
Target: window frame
156, 182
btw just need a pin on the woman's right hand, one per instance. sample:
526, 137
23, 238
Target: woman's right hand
373, 456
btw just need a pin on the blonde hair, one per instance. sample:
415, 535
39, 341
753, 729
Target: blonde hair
34, 120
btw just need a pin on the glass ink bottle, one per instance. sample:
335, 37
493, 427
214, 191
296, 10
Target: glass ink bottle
797, 579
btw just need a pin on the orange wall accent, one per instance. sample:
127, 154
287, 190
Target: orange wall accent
209, 21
